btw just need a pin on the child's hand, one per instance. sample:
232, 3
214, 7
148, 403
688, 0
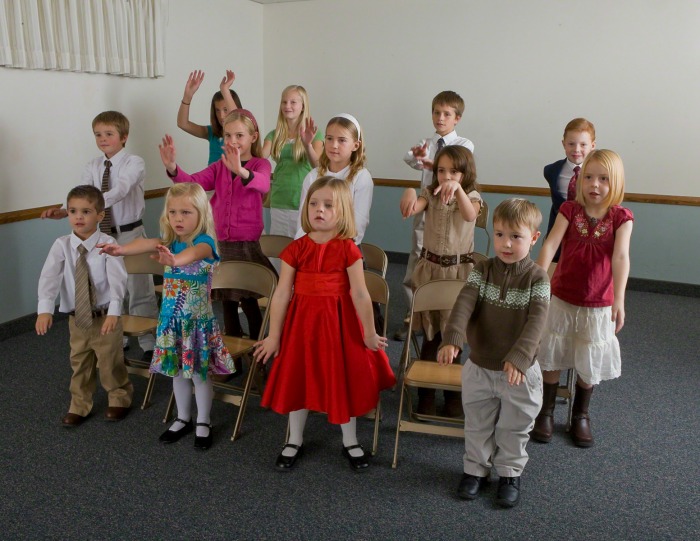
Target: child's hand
55, 213
420, 151
232, 159
618, 315
109, 325
408, 201
164, 256
43, 323
110, 249
265, 349
447, 354
448, 190
427, 164
307, 131
376, 342
167, 154
193, 81
227, 81
515, 376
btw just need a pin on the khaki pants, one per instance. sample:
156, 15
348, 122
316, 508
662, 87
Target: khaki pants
498, 419
89, 350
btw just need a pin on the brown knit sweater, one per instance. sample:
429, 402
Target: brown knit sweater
502, 309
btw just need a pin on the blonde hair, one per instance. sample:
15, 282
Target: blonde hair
250, 123
357, 159
342, 201
612, 163
516, 212
281, 134
199, 200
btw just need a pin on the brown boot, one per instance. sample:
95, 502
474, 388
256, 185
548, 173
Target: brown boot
453, 405
426, 402
544, 423
580, 422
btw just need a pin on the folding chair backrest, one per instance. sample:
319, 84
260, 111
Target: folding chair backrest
482, 222
375, 258
272, 245
436, 295
142, 264
378, 292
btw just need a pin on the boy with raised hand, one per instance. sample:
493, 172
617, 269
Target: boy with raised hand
502, 311
92, 288
447, 110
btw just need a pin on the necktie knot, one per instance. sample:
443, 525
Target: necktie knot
82, 249
108, 164
440, 144
577, 169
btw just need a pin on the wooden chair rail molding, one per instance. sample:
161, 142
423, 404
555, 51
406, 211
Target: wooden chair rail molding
656, 199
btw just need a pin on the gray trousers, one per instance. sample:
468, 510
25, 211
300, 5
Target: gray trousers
498, 419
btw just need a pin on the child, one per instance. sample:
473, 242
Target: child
295, 145
222, 103
451, 204
344, 158
120, 176
239, 180
447, 110
588, 287
337, 368
92, 290
188, 344
578, 141
502, 309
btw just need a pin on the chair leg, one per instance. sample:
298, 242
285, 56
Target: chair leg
149, 391
252, 369
398, 427
169, 409
377, 418
571, 384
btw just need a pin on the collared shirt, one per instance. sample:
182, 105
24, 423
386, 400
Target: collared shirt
450, 139
361, 189
125, 195
107, 273
567, 171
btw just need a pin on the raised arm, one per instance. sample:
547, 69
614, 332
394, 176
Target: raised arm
270, 346
225, 88
183, 113
621, 272
468, 209
312, 145
552, 242
363, 306
419, 205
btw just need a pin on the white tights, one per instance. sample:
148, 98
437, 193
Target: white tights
297, 421
203, 394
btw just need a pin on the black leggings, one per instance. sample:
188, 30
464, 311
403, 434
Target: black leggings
232, 323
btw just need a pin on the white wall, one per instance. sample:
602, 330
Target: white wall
45, 120
524, 69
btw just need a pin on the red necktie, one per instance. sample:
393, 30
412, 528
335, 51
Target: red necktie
571, 191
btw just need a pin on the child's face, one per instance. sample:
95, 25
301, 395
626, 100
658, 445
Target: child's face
182, 216
291, 105
83, 217
221, 110
108, 139
577, 145
513, 242
237, 135
446, 171
445, 119
339, 146
595, 184
323, 211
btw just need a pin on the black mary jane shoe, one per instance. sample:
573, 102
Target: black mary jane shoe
286, 463
171, 436
357, 463
203, 442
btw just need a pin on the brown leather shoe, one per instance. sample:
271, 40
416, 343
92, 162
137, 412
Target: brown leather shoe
72, 419
544, 423
580, 421
453, 405
115, 413
426, 402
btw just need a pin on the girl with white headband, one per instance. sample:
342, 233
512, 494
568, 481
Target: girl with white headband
344, 157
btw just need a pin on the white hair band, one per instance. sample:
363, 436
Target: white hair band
352, 119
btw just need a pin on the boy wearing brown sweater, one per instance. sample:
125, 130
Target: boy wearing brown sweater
502, 311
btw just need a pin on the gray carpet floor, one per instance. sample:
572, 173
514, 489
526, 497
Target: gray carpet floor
115, 481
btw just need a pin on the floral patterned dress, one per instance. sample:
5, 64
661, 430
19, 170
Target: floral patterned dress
188, 340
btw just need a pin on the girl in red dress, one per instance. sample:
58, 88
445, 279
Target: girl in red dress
588, 291
329, 357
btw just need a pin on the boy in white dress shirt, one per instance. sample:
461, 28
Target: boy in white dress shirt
447, 110
124, 201
96, 340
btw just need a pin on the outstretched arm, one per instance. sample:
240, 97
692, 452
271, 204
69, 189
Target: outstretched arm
468, 209
621, 271
189, 255
419, 205
552, 242
183, 113
363, 305
135, 247
270, 346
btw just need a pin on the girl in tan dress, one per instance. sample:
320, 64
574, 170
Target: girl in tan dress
451, 205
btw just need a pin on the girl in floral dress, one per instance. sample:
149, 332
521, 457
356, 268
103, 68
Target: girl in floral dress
188, 347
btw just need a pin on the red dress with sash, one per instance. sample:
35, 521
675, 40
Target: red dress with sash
323, 364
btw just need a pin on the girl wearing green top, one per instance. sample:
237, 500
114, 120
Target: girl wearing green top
295, 145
